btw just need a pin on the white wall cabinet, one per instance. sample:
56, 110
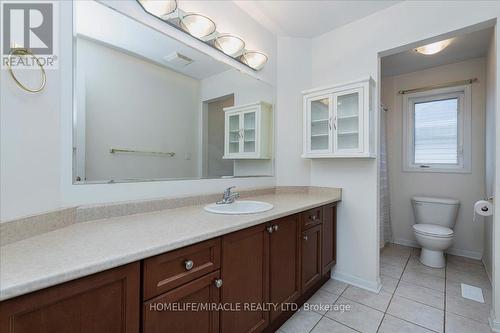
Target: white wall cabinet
338, 121
248, 131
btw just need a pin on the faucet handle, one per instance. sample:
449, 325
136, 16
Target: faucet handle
227, 191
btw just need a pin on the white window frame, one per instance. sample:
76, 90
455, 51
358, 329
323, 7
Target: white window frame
463, 94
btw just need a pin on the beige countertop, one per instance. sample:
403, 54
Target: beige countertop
89, 247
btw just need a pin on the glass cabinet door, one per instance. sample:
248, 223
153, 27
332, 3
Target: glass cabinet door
249, 119
347, 121
234, 134
320, 124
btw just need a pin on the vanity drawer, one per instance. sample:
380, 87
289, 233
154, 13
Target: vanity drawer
167, 271
311, 218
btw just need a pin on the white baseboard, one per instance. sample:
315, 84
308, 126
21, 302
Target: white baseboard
456, 252
465, 253
372, 286
406, 242
494, 324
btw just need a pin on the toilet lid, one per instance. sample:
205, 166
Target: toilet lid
433, 230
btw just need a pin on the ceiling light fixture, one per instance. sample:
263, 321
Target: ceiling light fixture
254, 59
434, 47
159, 8
229, 44
197, 25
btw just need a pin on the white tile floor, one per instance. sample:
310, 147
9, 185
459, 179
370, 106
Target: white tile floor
414, 298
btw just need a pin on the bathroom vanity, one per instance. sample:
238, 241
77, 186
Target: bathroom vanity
281, 256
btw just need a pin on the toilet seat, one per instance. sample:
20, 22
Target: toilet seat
433, 230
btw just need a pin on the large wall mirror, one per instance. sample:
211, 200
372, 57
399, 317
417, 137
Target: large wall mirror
148, 107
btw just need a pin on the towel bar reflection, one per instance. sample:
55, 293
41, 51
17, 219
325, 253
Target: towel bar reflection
147, 152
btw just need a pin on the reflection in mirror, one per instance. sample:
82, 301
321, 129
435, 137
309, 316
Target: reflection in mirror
148, 107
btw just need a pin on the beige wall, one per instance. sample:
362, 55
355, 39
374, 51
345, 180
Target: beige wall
468, 188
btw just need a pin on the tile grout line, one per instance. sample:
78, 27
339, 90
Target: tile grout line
457, 314
394, 293
325, 316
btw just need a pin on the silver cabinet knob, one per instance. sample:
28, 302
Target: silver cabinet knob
305, 238
275, 227
218, 283
312, 218
269, 229
189, 264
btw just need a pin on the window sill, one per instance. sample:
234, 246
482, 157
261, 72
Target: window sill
436, 170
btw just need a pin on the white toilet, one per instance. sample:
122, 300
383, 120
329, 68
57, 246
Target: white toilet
435, 219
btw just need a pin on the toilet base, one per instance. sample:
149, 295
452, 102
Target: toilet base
432, 258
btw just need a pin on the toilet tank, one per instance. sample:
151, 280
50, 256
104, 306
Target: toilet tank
440, 211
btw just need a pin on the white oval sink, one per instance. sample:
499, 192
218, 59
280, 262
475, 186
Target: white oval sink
239, 207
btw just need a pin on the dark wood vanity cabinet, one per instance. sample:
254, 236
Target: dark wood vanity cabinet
106, 302
187, 312
245, 276
284, 262
311, 256
329, 236
190, 289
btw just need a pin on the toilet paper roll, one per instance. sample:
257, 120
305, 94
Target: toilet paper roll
482, 208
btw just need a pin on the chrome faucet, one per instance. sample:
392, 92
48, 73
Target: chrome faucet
228, 197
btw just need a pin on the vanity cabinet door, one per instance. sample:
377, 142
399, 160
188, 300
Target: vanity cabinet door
106, 302
329, 238
311, 256
284, 262
181, 318
245, 276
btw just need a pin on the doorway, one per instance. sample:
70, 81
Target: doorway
214, 165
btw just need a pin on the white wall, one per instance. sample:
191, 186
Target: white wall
294, 76
36, 130
122, 114
467, 188
30, 172
344, 54
491, 109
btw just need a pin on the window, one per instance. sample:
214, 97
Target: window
437, 130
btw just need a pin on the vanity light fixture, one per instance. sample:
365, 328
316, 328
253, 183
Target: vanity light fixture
204, 29
197, 25
254, 59
434, 47
159, 8
229, 44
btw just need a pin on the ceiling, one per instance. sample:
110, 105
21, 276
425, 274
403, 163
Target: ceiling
308, 19
462, 47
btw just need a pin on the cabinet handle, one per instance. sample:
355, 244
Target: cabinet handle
335, 123
305, 237
270, 229
313, 217
330, 123
275, 227
218, 283
189, 264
